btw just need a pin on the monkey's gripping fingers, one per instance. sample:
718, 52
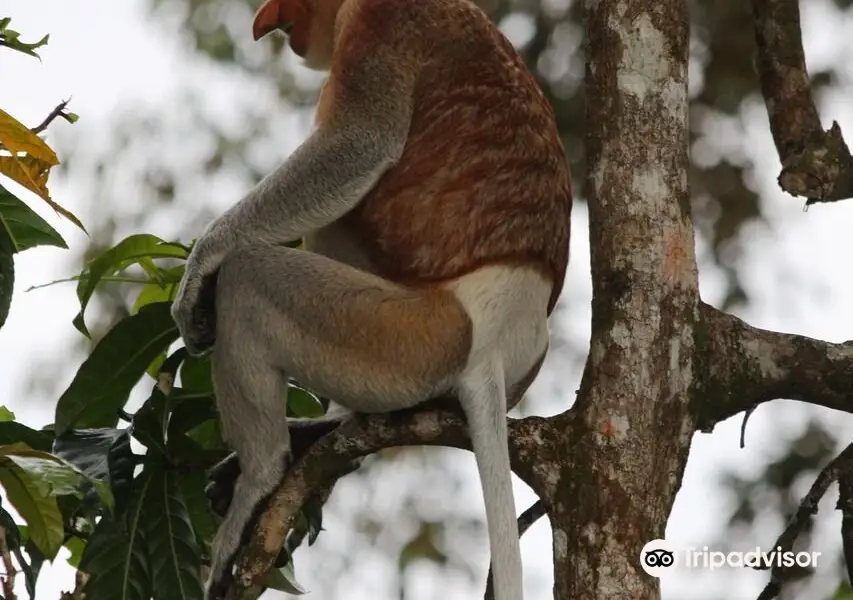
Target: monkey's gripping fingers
194, 311
194, 308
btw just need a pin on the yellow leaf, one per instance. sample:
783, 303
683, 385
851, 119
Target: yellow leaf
32, 174
29, 172
17, 138
67, 214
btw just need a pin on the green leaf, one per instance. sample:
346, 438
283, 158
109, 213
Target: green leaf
169, 366
844, 592
154, 368
52, 475
116, 555
208, 435
172, 547
75, 546
102, 385
302, 403
89, 449
26, 229
55, 476
131, 250
6, 415
12, 432
154, 292
11, 39
13, 535
102, 454
190, 413
196, 374
7, 274
34, 499
31, 568
159, 292
284, 580
198, 507
149, 422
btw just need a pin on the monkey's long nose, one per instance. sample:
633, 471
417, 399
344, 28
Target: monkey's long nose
266, 19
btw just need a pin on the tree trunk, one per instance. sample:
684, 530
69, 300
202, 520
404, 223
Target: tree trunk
632, 424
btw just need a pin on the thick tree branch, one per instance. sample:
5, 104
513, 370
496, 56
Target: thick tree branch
815, 163
436, 424
743, 366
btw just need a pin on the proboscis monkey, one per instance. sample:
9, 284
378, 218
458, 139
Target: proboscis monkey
433, 197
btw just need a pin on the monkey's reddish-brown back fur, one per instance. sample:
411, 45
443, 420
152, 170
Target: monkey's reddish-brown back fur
483, 178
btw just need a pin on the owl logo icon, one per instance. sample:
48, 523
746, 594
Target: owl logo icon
657, 557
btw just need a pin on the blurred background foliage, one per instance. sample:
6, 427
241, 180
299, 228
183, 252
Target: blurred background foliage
400, 520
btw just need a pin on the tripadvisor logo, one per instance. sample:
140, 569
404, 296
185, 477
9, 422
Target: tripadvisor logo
659, 556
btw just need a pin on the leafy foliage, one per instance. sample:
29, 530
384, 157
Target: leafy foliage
24, 227
26, 159
142, 532
12, 39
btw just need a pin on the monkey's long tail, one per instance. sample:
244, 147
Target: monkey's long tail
525, 520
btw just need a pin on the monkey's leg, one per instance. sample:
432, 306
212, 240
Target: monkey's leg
369, 344
303, 433
250, 398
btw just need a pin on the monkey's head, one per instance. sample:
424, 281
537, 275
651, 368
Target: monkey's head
309, 25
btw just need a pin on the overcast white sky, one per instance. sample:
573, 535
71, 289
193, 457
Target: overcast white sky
105, 53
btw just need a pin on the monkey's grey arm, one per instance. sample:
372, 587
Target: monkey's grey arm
321, 181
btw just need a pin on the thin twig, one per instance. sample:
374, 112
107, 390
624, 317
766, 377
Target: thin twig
808, 508
845, 505
746, 415
8, 566
57, 112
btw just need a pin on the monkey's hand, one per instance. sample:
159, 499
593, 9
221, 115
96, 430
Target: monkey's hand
194, 308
